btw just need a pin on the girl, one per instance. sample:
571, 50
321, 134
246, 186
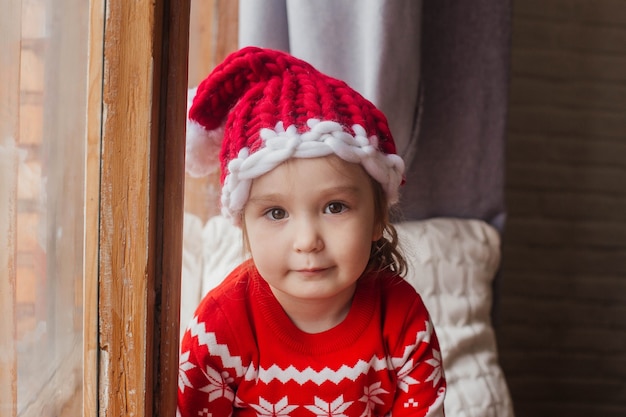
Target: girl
319, 321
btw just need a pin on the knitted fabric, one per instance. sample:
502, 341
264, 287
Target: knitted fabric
242, 356
265, 107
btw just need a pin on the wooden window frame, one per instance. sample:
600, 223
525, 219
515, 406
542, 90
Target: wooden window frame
136, 130
134, 193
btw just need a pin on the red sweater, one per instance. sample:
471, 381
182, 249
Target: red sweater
241, 355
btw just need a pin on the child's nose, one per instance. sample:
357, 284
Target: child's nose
307, 237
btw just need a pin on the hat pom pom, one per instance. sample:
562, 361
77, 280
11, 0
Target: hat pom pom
203, 147
202, 150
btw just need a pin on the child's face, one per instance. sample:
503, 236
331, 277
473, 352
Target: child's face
309, 225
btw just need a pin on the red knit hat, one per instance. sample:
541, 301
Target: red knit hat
263, 107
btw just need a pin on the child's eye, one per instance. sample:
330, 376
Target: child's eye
335, 207
276, 214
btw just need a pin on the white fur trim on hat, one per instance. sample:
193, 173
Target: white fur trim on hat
324, 138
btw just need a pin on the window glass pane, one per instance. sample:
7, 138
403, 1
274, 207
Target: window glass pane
50, 207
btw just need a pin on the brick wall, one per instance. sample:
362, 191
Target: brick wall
562, 305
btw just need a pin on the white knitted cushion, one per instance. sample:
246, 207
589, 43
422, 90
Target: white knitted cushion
452, 263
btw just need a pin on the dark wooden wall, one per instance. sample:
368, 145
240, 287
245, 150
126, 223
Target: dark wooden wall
562, 305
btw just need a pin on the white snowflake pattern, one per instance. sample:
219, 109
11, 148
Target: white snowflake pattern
333, 409
218, 385
185, 365
411, 403
370, 398
404, 379
435, 362
267, 409
427, 333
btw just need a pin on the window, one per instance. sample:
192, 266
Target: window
91, 174
43, 160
